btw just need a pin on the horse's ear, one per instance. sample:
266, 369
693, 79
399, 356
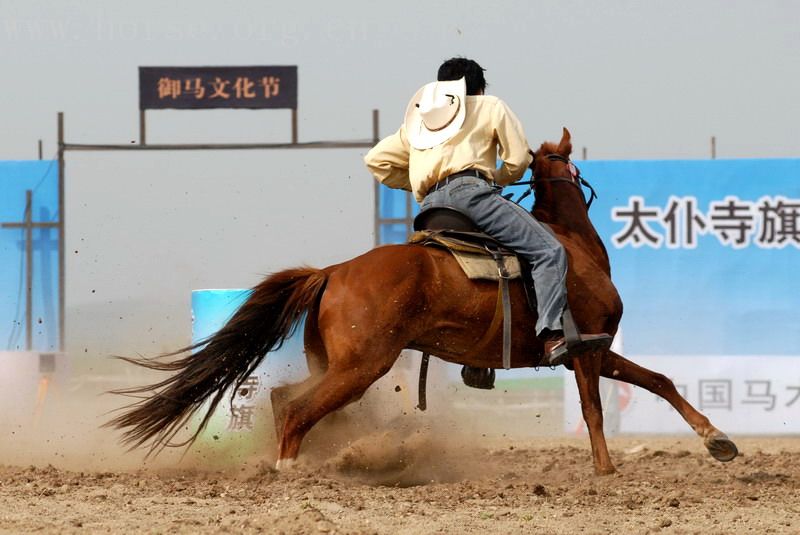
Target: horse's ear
565, 146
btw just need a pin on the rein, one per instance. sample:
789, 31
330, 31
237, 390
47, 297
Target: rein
575, 179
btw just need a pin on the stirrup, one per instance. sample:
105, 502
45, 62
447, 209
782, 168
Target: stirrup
587, 342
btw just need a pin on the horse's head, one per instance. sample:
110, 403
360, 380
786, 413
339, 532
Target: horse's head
552, 160
552, 168
560, 199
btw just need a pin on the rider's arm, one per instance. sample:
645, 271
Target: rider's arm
513, 146
388, 161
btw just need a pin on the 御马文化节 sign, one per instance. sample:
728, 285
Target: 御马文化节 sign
218, 87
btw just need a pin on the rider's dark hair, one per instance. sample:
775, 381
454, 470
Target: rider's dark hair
456, 68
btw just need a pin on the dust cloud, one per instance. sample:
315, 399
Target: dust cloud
380, 439
63, 426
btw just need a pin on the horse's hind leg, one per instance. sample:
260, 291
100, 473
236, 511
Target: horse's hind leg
317, 360
339, 385
617, 367
587, 376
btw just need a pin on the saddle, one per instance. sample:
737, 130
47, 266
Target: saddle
480, 257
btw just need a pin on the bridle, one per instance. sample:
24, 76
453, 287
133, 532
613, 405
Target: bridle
575, 178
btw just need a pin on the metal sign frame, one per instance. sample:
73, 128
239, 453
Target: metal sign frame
64, 146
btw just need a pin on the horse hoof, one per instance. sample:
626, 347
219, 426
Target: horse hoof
605, 471
284, 465
721, 447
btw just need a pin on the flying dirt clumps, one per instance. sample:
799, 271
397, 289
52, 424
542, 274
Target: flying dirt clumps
396, 459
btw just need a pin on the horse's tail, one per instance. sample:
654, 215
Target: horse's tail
268, 317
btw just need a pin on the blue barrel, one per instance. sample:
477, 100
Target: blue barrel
242, 423
211, 309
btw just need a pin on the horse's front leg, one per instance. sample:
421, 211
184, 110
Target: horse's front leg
617, 367
587, 375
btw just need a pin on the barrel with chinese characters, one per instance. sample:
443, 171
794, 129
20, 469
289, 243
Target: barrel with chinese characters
241, 426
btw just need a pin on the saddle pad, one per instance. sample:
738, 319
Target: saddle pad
475, 261
484, 267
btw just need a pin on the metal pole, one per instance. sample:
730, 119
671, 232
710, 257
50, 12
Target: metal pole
40, 149
376, 187
377, 207
28, 220
61, 243
294, 126
357, 144
409, 216
142, 128
713, 147
584, 153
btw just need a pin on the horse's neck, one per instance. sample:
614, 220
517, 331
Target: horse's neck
566, 210
572, 217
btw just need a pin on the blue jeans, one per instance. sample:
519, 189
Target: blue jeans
515, 228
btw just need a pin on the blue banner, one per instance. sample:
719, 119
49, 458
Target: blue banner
703, 253
41, 177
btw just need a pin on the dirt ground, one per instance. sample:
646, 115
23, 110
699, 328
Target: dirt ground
475, 462
419, 483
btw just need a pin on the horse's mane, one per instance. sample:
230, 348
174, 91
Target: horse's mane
549, 147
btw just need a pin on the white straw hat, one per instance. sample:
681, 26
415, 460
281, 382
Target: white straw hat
435, 113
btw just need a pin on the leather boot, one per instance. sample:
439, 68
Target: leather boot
482, 378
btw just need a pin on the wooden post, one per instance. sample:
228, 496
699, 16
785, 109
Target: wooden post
584, 153
713, 147
62, 246
40, 149
27, 221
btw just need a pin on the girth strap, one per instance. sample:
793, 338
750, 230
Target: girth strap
502, 313
506, 296
423, 380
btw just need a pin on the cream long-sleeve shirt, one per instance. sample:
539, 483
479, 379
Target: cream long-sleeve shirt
490, 130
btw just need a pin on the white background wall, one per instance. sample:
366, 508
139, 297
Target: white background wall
145, 229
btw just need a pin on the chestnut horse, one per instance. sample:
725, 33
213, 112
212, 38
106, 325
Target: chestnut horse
360, 314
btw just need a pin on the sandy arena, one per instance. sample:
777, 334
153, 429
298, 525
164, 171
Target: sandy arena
665, 485
415, 473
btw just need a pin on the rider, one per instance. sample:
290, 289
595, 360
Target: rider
445, 153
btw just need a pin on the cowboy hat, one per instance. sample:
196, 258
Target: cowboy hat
435, 113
